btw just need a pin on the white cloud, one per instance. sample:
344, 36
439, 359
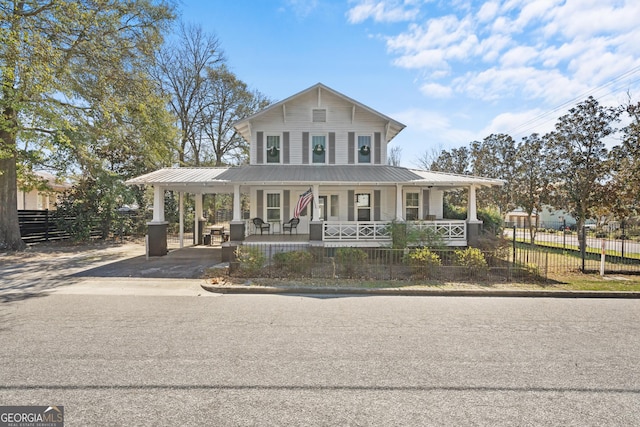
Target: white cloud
382, 11
435, 90
302, 8
535, 49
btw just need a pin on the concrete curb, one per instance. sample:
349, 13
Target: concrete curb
507, 293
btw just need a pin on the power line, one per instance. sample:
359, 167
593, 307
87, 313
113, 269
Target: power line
524, 127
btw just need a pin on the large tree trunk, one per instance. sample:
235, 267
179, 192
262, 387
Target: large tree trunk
9, 226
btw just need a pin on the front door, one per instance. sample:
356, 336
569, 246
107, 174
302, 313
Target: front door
322, 201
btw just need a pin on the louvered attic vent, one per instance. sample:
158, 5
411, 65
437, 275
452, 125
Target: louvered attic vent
319, 116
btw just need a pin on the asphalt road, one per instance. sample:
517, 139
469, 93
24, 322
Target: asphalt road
126, 359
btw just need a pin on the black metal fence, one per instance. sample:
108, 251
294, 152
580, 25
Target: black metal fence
516, 256
560, 249
377, 264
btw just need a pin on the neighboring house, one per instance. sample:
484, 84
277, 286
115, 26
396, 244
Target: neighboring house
326, 142
34, 199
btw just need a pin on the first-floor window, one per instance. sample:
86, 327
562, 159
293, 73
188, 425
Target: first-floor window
335, 206
363, 204
273, 206
411, 206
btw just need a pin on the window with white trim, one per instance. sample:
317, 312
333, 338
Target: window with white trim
273, 206
273, 149
411, 206
319, 148
364, 148
363, 205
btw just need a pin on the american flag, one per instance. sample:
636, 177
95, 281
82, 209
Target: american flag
303, 201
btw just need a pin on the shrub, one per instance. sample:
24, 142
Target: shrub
471, 258
250, 259
349, 259
422, 261
294, 261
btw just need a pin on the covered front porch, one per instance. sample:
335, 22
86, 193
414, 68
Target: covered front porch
350, 206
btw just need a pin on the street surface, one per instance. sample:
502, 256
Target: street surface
120, 357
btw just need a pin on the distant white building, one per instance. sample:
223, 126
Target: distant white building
34, 199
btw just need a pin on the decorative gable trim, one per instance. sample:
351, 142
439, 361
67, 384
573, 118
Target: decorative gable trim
319, 115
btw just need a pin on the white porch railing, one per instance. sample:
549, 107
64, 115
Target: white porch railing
452, 231
365, 230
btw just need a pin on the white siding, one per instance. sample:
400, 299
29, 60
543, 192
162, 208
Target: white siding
298, 119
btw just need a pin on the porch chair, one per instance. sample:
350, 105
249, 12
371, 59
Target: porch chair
291, 225
258, 223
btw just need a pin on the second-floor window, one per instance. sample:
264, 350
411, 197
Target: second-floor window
273, 149
319, 148
364, 148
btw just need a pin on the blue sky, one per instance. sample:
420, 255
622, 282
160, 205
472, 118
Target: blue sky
452, 71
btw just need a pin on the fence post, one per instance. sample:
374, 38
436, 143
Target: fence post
46, 225
622, 238
583, 248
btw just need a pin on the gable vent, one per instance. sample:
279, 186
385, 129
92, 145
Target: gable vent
319, 116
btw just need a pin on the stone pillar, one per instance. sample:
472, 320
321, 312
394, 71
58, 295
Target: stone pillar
157, 228
157, 238
316, 230
237, 231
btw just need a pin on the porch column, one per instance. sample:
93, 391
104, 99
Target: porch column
316, 203
237, 215
399, 216
474, 225
157, 228
158, 204
198, 221
181, 217
236, 226
315, 225
472, 209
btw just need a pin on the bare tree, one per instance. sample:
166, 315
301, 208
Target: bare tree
228, 100
395, 155
181, 71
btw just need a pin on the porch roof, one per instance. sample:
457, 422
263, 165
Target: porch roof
307, 175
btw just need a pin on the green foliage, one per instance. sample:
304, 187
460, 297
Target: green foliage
472, 258
294, 261
251, 259
413, 234
349, 259
93, 204
423, 261
491, 220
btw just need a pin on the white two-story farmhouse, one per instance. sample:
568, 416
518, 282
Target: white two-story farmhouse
323, 141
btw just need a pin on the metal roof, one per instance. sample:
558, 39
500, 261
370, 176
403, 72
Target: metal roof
170, 176
308, 174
